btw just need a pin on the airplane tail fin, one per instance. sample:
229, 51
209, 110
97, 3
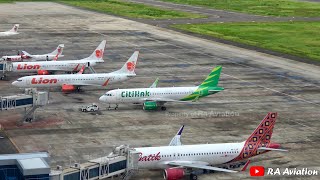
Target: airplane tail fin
213, 78
58, 51
15, 28
260, 140
97, 54
130, 65
262, 134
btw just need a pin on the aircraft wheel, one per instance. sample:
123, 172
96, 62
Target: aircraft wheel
193, 177
163, 108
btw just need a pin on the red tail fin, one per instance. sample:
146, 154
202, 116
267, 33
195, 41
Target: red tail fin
260, 137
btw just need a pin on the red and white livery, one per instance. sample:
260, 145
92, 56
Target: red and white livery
24, 56
176, 158
71, 82
47, 67
11, 32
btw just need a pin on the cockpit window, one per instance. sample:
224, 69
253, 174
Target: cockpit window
108, 94
19, 80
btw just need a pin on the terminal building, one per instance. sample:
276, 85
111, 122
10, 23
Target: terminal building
25, 166
120, 164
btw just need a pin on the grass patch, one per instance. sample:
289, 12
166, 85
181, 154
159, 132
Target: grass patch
296, 38
260, 7
132, 10
121, 8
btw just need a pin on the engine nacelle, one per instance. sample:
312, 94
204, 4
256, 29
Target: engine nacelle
43, 72
150, 105
68, 88
173, 173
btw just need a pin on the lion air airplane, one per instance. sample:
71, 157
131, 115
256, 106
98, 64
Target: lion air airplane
13, 31
47, 67
24, 56
71, 82
177, 159
152, 98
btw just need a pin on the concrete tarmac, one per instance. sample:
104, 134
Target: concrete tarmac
255, 83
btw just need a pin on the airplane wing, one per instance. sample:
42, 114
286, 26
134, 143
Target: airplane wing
176, 139
163, 100
198, 165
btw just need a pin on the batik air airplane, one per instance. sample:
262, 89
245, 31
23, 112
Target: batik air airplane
24, 56
177, 159
13, 31
48, 67
152, 98
71, 82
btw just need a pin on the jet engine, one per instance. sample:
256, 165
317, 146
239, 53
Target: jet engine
150, 105
43, 72
68, 88
173, 173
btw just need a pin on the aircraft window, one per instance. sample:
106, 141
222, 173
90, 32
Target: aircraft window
19, 80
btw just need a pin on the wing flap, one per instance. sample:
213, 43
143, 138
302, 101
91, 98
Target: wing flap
200, 166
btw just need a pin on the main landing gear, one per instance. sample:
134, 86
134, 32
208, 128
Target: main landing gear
163, 108
193, 177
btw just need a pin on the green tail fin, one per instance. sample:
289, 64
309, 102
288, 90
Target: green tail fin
213, 78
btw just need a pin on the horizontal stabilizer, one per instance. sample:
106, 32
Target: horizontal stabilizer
271, 149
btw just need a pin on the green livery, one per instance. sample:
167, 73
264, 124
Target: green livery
207, 87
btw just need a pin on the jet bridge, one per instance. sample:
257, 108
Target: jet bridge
121, 164
30, 101
5, 67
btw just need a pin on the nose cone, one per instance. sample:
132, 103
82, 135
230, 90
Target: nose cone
15, 83
102, 98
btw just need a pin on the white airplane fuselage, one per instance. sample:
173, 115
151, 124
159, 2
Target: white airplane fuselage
138, 95
8, 33
40, 81
19, 58
211, 154
69, 65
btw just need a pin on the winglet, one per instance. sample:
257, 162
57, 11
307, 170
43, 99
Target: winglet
245, 166
175, 141
82, 69
155, 83
180, 130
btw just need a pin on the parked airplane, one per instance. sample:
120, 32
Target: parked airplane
177, 159
47, 67
57, 53
71, 82
11, 32
153, 97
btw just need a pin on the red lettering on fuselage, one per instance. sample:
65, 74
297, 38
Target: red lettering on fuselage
43, 81
150, 157
26, 66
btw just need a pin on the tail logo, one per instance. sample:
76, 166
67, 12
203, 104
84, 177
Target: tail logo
130, 66
99, 53
59, 50
15, 28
